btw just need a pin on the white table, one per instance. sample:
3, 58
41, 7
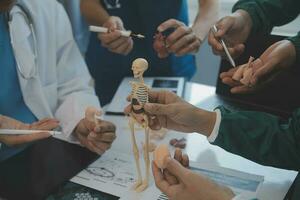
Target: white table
277, 181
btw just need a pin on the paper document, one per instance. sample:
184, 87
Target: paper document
114, 173
119, 102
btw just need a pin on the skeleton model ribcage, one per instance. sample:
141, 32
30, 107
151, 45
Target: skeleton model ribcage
139, 96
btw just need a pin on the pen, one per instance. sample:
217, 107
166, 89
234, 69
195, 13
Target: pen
215, 30
26, 132
99, 29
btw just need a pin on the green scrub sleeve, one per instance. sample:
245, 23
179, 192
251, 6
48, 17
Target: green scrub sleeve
261, 137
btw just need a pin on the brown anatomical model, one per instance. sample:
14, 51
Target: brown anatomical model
160, 155
244, 73
92, 114
159, 45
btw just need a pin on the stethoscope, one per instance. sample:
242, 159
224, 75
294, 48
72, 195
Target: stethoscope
27, 17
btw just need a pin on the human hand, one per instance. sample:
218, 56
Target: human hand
187, 184
113, 40
167, 110
234, 30
181, 41
14, 140
277, 58
183, 159
95, 134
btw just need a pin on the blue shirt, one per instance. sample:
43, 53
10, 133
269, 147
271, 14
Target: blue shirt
108, 68
11, 99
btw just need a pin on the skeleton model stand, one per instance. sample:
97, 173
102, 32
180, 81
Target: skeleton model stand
139, 96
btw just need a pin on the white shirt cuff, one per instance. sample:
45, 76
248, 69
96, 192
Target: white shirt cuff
72, 111
214, 134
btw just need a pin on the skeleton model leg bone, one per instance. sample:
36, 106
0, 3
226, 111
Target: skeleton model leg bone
141, 184
135, 153
146, 157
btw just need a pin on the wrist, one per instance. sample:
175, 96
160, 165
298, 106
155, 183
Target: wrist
207, 121
199, 32
76, 130
244, 19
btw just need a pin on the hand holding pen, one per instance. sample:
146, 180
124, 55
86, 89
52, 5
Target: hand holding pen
234, 31
215, 30
114, 37
14, 132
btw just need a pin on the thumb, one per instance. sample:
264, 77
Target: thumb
171, 23
111, 24
223, 26
175, 168
116, 23
157, 109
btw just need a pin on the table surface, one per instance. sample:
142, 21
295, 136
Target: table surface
275, 186
276, 181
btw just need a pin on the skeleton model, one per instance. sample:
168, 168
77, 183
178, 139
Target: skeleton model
139, 96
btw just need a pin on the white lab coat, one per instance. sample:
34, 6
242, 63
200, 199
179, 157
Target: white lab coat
79, 25
61, 87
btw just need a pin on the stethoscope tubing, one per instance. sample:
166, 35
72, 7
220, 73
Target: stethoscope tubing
25, 13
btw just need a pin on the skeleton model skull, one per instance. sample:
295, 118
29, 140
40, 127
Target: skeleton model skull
139, 96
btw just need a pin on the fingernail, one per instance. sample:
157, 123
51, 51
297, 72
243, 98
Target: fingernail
160, 29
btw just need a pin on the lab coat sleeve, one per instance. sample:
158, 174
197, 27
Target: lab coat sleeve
75, 93
261, 137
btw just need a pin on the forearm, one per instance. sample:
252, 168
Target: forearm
206, 17
204, 122
93, 12
261, 137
